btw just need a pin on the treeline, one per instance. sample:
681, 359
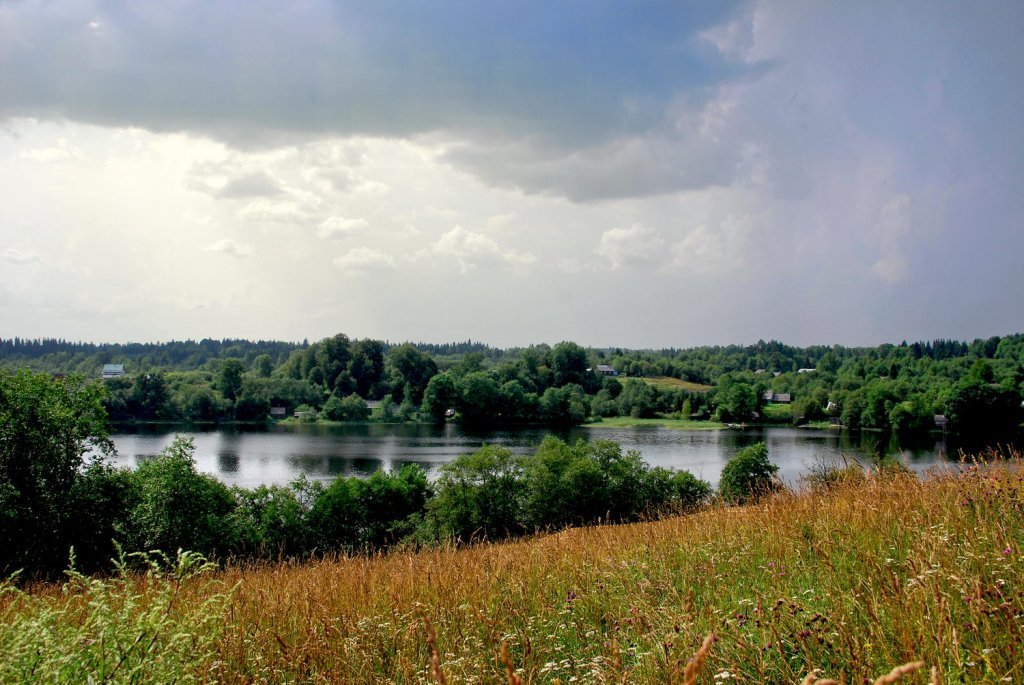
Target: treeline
53, 499
977, 386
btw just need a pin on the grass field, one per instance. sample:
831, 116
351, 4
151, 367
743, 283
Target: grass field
675, 424
870, 574
669, 383
779, 413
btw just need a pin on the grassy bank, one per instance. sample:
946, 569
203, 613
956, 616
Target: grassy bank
872, 573
675, 424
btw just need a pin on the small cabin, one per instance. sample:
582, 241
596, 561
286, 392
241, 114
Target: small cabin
278, 412
773, 397
112, 371
606, 370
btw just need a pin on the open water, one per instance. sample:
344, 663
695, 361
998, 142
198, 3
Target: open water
253, 455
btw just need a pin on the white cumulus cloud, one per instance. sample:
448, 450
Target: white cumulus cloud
364, 259
19, 257
229, 247
339, 226
637, 245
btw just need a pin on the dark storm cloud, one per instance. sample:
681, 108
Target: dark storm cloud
572, 73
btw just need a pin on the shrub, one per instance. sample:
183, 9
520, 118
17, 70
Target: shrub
748, 476
352, 408
179, 508
478, 495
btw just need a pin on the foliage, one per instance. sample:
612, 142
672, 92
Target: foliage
230, 378
441, 394
114, 630
977, 407
352, 408
492, 493
270, 521
176, 507
479, 495
47, 428
748, 476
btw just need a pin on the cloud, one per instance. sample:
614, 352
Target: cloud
61, 152
471, 249
338, 227
280, 211
251, 185
321, 69
515, 257
19, 257
365, 259
229, 247
721, 250
893, 224
634, 246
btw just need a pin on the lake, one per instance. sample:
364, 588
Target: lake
255, 455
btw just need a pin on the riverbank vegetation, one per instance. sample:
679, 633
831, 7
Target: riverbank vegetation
52, 498
856, 574
976, 387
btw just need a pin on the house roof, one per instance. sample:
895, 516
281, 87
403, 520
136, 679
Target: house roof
113, 368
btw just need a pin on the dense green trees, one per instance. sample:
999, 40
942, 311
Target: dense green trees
48, 430
888, 387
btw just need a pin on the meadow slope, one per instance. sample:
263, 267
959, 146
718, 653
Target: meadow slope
854, 579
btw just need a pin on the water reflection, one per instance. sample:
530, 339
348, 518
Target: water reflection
255, 455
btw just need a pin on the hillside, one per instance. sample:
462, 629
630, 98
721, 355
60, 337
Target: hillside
854, 579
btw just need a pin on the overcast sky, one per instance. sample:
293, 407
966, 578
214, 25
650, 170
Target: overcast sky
639, 174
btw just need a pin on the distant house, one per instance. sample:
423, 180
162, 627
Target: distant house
606, 370
777, 397
278, 412
806, 370
112, 371
941, 421
372, 404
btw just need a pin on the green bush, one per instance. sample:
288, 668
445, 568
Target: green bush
352, 408
113, 630
176, 507
748, 476
478, 495
675, 491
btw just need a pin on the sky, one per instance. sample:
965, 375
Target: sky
620, 174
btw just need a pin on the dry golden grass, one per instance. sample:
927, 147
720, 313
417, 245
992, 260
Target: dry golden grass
839, 585
873, 573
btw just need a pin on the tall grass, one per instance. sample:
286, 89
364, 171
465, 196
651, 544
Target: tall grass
874, 578
130, 628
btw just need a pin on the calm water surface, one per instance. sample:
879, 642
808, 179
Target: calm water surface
252, 456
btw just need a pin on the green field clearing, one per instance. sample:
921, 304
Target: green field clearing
675, 424
669, 383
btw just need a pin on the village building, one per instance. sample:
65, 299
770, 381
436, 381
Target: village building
112, 371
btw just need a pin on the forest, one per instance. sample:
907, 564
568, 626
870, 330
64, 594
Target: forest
975, 386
